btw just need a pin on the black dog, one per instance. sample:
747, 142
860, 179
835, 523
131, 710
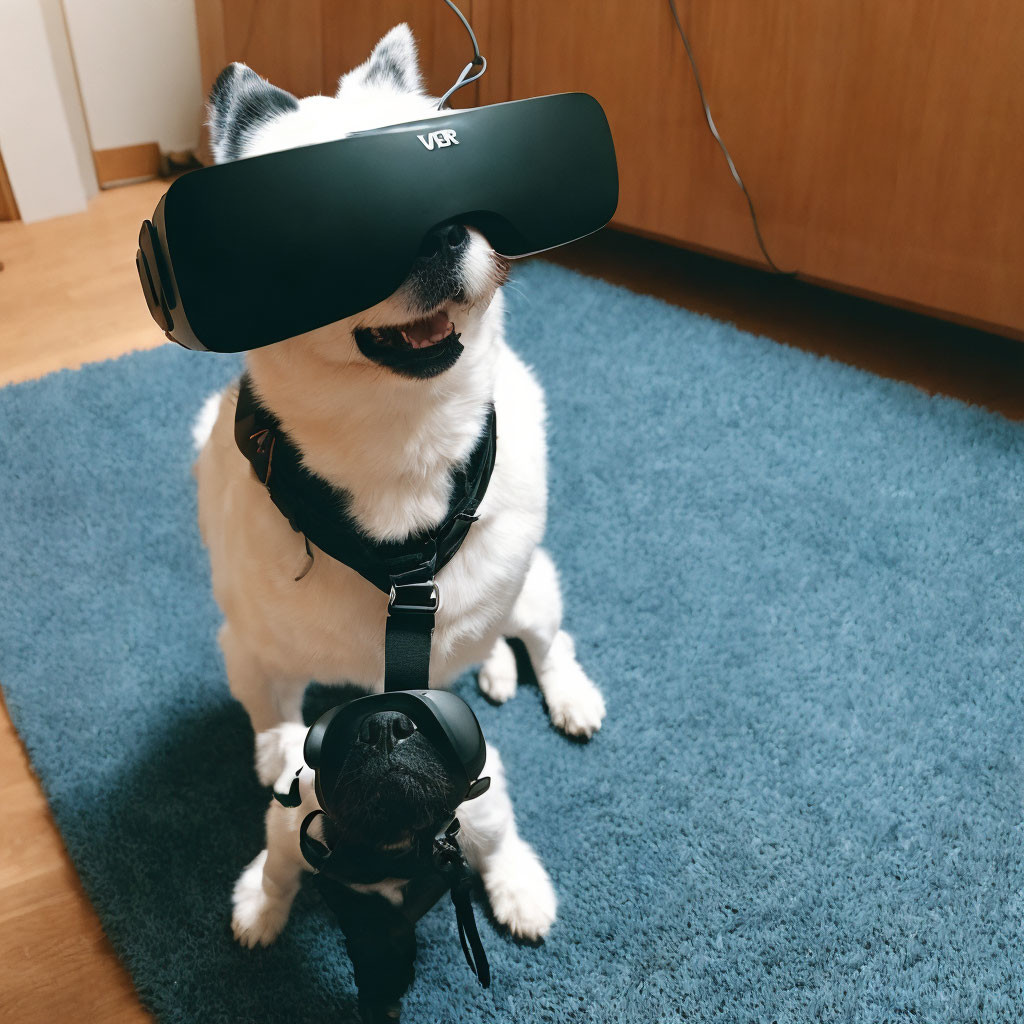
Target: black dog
391, 799
387, 853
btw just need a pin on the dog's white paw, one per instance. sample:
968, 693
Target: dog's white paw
498, 677
279, 754
578, 714
520, 891
257, 918
575, 704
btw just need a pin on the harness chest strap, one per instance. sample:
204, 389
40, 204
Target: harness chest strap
404, 570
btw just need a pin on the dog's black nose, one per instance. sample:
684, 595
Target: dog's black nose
445, 241
385, 730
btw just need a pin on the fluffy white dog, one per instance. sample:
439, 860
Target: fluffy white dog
390, 438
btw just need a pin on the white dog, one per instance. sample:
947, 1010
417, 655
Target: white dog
391, 441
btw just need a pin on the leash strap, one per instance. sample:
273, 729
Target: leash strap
455, 869
407, 635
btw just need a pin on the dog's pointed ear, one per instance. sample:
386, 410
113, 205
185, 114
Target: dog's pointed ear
241, 101
393, 63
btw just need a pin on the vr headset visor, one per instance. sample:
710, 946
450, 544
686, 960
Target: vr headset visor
248, 253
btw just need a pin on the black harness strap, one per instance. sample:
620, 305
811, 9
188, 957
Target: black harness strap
407, 635
404, 570
432, 872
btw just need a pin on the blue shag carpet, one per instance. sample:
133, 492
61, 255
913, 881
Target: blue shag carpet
799, 586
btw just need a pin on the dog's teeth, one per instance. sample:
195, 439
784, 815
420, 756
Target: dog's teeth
441, 335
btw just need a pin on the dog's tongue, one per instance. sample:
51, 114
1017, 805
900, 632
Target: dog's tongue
428, 331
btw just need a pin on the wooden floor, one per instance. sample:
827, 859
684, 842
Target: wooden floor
69, 294
69, 291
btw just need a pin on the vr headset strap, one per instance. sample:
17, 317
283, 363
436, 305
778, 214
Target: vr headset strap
448, 854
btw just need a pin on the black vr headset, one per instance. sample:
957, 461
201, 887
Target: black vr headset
248, 253
445, 719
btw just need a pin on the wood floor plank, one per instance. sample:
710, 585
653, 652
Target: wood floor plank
69, 291
55, 961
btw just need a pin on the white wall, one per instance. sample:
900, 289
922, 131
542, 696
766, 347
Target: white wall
42, 128
138, 71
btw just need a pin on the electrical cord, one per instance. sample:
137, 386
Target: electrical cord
718, 138
478, 60
481, 62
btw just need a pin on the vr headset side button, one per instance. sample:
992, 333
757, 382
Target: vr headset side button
157, 310
155, 283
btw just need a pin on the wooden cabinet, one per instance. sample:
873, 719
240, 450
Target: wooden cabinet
882, 142
304, 46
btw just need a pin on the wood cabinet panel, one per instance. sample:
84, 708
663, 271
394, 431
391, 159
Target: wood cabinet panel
281, 41
351, 30
881, 141
8, 206
304, 46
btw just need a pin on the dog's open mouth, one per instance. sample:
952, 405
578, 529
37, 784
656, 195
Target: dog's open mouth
421, 348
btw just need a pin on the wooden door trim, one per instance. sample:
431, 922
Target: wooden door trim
8, 204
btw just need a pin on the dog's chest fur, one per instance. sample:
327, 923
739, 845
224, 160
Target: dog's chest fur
395, 464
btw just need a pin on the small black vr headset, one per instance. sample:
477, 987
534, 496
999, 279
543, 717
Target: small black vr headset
248, 253
445, 719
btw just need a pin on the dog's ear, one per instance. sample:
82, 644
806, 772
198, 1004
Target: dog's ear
393, 63
241, 101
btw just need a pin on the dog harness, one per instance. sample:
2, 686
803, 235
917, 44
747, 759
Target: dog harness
406, 571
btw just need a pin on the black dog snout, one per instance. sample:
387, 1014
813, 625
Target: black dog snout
385, 730
448, 240
436, 276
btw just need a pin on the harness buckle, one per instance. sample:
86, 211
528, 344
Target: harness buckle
415, 597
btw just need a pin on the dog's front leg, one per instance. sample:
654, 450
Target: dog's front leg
268, 698
263, 894
518, 888
265, 890
575, 704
